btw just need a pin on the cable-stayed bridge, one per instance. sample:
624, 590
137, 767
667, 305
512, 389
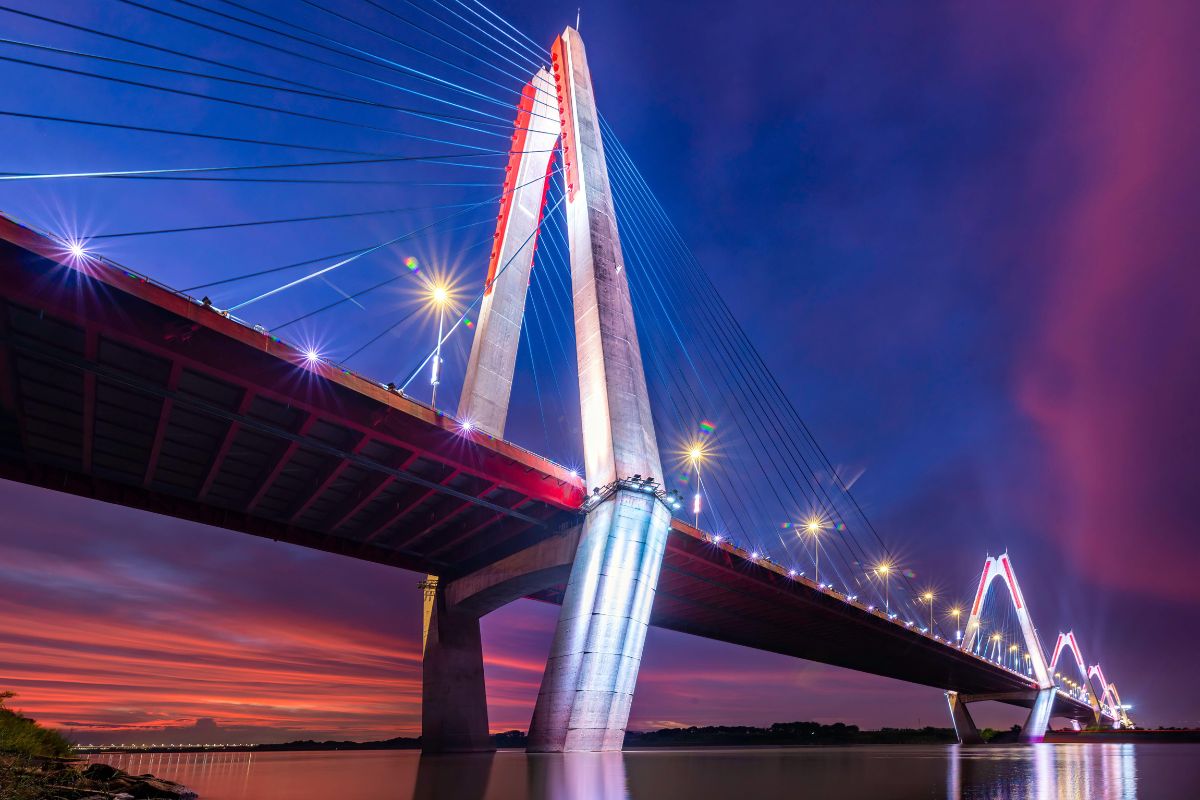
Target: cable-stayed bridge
677, 485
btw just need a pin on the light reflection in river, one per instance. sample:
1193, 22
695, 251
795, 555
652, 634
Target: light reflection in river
1039, 772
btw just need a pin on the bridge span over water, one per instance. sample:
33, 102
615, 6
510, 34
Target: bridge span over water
117, 388
121, 390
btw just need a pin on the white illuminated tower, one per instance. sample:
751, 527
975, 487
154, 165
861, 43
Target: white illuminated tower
588, 685
587, 688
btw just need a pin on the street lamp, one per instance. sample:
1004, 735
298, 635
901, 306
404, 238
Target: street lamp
814, 526
885, 569
928, 598
956, 612
439, 296
696, 455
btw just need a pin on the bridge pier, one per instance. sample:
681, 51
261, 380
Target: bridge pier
1034, 729
453, 698
964, 725
1041, 704
587, 688
453, 694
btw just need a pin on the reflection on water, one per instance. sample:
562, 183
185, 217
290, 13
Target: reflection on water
1039, 772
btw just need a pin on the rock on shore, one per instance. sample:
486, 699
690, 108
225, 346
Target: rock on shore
54, 779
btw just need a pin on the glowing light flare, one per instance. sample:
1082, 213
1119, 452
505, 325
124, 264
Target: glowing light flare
76, 250
440, 295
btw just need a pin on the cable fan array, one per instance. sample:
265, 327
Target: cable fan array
331, 174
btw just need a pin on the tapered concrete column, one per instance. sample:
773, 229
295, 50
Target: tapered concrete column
487, 386
1034, 729
964, 726
590, 675
453, 699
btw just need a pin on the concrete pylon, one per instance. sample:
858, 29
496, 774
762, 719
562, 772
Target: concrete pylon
587, 688
488, 383
964, 725
1034, 729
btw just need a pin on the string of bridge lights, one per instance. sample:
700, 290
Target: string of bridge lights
699, 454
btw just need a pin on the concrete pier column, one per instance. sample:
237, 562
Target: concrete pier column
964, 726
588, 684
1034, 729
453, 698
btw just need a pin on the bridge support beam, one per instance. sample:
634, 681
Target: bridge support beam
964, 725
587, 688
453, 698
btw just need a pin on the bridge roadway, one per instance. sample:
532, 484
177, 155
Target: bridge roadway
116, 388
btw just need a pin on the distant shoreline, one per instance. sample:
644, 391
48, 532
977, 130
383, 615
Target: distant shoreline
781, 734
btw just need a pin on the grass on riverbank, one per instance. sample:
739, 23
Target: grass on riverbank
24, 737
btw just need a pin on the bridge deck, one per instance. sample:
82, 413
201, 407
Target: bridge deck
119, 389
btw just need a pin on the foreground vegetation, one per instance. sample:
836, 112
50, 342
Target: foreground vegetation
35, 764
23, 737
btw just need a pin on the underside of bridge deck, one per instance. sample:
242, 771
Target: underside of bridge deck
115, 388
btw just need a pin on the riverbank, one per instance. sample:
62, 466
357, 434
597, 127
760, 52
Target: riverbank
33, 778
35, 764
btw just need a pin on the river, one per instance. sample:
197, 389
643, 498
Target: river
1040, 772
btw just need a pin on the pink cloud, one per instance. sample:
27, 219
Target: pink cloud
1110, 374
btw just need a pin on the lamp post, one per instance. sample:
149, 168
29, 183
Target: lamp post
956, 612
928, 598
696, 455
440, 297
814, 529
885, 570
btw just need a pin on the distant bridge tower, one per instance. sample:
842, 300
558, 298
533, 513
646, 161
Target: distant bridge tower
1041, 699
613, 563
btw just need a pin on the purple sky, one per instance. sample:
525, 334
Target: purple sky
959, 233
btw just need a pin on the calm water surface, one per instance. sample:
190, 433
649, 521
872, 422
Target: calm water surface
1040, 772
